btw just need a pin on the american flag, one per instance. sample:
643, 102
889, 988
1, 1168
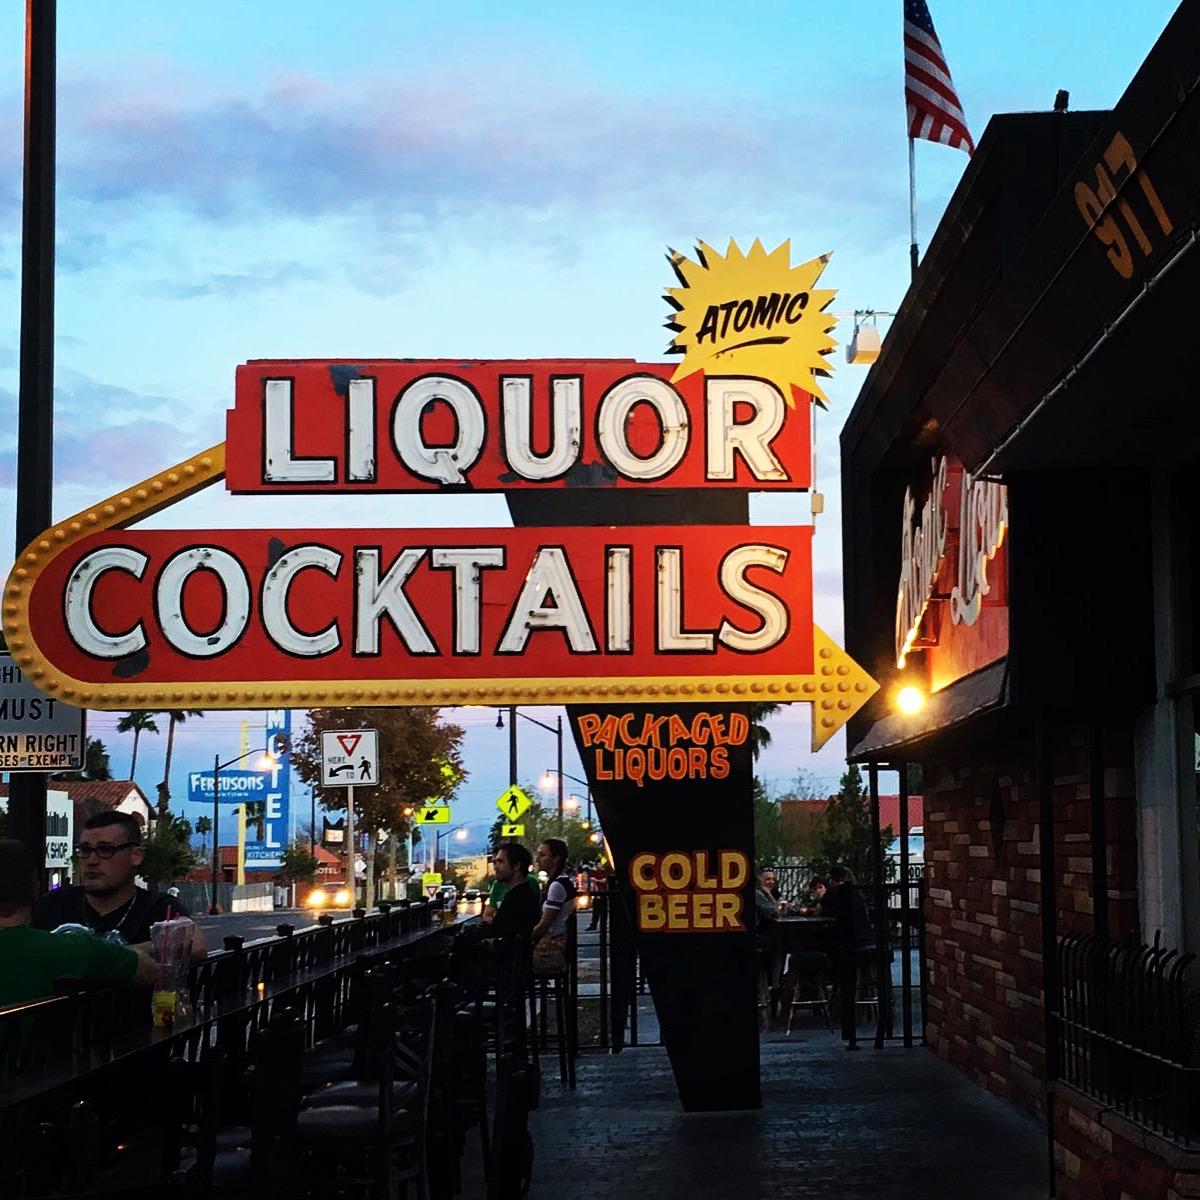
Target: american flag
934, 112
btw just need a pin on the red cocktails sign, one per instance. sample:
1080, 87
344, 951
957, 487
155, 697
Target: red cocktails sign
423, 613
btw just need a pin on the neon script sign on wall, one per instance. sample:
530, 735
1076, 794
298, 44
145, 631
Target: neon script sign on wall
961, 515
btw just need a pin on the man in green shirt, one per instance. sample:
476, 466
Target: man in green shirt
32, 959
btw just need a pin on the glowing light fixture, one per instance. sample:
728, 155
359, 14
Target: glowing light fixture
910, 700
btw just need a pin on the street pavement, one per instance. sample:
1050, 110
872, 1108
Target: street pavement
252, 925
873, 1125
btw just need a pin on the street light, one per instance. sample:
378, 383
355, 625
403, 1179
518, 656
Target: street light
547, 780
556, 729
266, 762
459, 833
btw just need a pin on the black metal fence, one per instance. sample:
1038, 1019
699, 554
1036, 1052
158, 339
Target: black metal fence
608, 984
1127, 1018
93, 1047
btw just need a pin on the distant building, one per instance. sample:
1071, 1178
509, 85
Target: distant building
89, 797
798, 818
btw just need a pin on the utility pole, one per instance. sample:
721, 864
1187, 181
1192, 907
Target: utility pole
558, 724
351, 874
512, 745
35, 421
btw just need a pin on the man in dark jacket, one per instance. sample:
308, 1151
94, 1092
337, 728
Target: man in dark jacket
522, 905
109, 901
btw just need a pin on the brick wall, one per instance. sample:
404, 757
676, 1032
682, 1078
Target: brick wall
983, 923
1100, 1156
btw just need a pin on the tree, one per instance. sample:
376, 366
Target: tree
768, 826
204, 828
844, 835
168, 851
299, 863
176, 716
760, 735
419, 759
95, 763
136, 723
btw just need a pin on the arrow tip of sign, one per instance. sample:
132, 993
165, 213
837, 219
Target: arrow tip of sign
853, 688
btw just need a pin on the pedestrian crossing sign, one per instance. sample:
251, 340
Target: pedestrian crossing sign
512, 831
512, 802
432, 814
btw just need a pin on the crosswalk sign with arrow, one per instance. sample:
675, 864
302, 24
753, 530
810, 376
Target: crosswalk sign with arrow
432, 814
512, 802
512, 831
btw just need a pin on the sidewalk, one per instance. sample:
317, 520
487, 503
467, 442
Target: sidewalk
870, 1125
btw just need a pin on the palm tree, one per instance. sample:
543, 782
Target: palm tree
204, 828
176, 716
760, 735
136, 723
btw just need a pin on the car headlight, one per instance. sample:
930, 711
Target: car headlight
317, 898
342, 898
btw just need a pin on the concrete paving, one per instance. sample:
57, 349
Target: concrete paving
872, 1125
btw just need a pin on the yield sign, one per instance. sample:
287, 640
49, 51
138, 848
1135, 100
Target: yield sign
512, 802
349, 758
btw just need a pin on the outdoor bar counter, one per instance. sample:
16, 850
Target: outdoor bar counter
98, 1048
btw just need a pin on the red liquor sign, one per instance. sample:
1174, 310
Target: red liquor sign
109, 617
410, 426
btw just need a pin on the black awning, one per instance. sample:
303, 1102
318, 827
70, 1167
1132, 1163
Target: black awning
953, 706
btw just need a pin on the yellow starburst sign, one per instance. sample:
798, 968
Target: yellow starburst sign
752, 313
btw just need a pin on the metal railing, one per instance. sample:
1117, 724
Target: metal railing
1127, 1020
97, 1047
83, 1025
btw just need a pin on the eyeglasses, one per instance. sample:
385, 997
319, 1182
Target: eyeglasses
102, 849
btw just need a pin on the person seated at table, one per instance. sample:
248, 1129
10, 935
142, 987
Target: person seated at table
847, 907
33, 958
816, 890
767, 902
109, 902
521, 907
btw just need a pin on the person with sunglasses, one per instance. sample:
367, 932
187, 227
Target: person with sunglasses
107, 898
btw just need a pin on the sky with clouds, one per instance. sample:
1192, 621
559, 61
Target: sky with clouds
427, 180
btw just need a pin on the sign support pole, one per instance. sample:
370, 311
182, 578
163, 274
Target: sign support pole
560, 777
27, 808
216, 832
512, 745
351, 876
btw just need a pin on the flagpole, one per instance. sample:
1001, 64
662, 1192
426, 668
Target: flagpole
912, 205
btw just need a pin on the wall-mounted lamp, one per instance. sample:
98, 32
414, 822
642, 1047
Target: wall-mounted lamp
865, 343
